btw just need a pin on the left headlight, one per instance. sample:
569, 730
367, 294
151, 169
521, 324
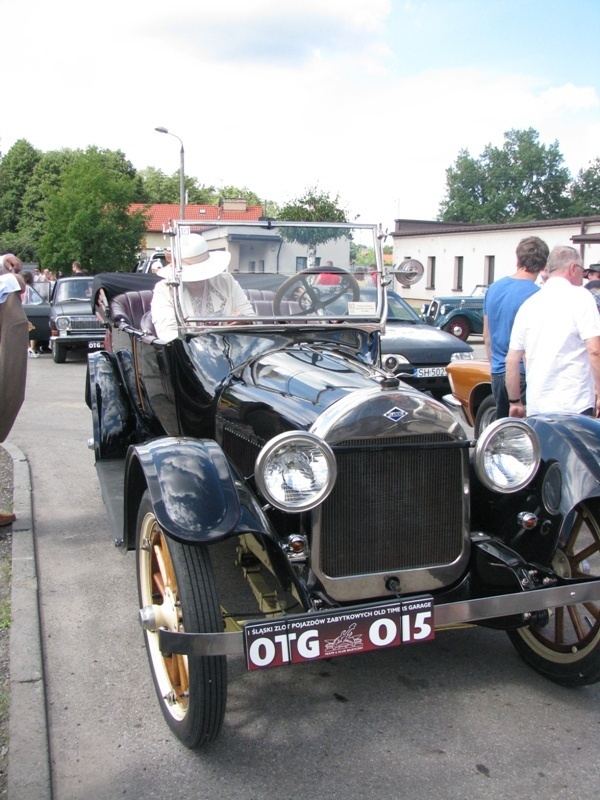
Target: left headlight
63, 323
507, 455
295, 471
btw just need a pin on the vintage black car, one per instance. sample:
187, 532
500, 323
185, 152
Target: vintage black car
287, 500
73, 324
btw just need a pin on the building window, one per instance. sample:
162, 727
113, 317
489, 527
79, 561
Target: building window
430, 272
458, 274
261, 265
488, 270
252, 266
301, 263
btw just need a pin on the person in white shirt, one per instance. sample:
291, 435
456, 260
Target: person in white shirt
207, 289
557, 332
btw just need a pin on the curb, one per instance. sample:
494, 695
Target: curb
29, 773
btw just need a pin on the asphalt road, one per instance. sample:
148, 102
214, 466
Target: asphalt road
460, 717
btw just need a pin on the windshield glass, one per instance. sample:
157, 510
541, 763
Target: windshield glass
272, 273
73, 289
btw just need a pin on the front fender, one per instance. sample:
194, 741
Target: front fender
475, 320
572, 442
191, 487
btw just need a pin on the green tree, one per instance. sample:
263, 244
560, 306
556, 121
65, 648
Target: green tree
87, 217
44, 182
585, 191
16, 169
313, 206
160, 188
523, 180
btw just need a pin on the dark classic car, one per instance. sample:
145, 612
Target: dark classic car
415, 352
287, 500
460, 315
73, 324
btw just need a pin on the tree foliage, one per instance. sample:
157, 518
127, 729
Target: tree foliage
44, 182
313, 206
585, 191
523, 180
16, 169
160, 188
87, 216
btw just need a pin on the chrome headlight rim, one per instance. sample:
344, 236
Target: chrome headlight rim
483, 445
63, 323
288, 442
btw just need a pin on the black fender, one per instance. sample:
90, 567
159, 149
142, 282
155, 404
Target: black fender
112, 419
573, 442
191, 486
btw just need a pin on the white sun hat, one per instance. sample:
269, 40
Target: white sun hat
198, 262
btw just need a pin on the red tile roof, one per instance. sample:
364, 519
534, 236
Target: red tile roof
161, 213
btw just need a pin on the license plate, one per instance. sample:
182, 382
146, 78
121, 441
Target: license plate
95, 345
310, 637
430, 372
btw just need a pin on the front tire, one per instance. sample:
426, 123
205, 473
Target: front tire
59, 353
486, 414
567, 648
178, 580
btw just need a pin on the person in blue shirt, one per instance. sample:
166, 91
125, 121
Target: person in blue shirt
502, 301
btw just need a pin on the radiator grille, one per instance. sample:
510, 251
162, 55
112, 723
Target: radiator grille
393, 509
89, 323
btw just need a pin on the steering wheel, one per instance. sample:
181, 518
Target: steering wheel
312, 299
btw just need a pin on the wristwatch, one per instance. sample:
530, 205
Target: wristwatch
512, 402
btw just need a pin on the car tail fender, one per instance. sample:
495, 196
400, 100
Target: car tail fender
112, 420
191, 486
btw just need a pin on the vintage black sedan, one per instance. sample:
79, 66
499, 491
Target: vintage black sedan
287, 500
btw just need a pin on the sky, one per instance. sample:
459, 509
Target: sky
369, 100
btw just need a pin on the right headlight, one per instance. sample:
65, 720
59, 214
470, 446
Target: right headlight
295, 471
507, 455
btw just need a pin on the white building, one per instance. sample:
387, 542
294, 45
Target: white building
457, 257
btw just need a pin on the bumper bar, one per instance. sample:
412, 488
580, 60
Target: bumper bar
464, 611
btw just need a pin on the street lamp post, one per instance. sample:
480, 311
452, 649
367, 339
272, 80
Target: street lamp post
181, 173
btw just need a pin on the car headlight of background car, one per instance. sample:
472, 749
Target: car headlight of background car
295, 471
462, 356
392, 362
507, 455
63, 323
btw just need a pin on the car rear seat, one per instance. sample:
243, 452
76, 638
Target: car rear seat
133, 308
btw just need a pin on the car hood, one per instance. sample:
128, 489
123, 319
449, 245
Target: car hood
72, 308
421, 343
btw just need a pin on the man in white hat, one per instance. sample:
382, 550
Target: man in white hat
208, 290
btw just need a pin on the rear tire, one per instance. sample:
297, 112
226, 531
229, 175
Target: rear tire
567, 648
178, 580
459, 327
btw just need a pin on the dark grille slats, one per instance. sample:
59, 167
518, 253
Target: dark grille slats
393, 509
